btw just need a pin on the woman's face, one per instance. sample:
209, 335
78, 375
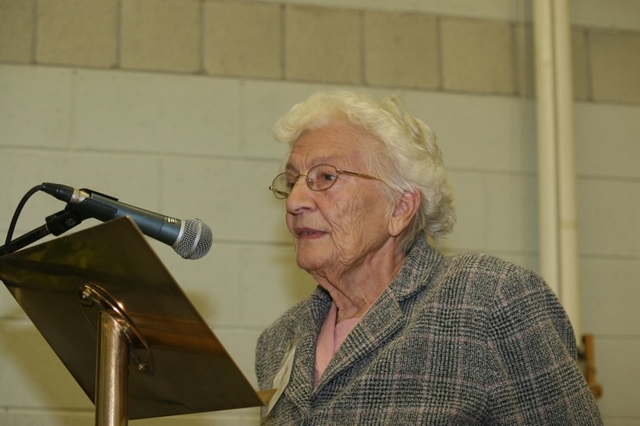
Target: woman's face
345, 226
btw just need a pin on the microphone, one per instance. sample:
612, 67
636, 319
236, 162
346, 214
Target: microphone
190, 238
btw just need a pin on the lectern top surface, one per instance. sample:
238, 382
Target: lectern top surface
178, 365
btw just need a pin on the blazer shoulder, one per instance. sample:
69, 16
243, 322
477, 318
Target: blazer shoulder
489, 268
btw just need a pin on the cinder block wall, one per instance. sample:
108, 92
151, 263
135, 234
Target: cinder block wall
168, 105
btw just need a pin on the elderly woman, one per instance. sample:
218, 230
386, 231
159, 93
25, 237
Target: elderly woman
396, 333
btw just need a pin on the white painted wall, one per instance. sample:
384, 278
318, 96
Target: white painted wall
198, 146
201, 146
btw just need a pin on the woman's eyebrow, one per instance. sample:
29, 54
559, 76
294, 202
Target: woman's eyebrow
289, 168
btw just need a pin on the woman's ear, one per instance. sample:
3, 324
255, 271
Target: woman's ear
406, 207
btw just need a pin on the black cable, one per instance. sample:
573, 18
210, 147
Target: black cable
16, 214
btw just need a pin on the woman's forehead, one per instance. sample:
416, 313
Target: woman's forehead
339, 142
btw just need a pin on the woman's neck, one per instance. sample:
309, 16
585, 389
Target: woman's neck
355, 290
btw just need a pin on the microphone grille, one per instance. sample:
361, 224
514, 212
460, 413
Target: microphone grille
196, 239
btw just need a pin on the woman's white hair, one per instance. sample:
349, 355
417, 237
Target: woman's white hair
409, 158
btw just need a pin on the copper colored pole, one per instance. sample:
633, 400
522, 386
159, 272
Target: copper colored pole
112, 373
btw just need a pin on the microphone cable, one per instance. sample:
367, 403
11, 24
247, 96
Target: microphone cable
14, 220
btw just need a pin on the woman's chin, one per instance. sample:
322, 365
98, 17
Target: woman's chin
311, 260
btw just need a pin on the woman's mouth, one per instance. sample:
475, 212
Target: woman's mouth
308, 233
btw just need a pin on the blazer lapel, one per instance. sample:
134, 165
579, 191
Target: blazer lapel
299, 390
382, 321
385, 318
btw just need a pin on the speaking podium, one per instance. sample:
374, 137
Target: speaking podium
122, 326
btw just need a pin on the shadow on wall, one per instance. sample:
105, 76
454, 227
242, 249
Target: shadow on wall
32, 374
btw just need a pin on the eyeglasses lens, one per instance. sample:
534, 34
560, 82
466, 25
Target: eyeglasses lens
322, 177
319, 178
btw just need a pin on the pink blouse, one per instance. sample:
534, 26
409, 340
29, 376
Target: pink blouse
331, 337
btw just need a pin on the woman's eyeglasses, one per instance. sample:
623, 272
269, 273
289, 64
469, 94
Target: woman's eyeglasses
319, 178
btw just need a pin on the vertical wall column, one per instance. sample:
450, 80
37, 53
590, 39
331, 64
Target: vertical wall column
558, 239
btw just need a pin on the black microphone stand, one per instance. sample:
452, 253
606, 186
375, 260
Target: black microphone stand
56, 224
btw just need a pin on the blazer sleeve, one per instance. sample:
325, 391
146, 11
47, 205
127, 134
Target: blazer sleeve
533, 378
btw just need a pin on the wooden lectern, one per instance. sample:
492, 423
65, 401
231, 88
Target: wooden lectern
123, 327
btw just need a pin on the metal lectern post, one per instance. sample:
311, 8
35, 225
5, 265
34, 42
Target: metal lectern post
112, 373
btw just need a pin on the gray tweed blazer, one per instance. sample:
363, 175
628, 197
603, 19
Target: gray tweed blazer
464, 340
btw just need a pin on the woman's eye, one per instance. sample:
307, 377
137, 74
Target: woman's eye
329, 177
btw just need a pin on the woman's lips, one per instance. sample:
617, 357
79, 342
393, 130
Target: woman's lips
309, 233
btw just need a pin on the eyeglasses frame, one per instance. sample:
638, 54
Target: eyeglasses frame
282, 196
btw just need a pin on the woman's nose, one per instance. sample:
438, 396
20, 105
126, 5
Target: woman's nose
301, 196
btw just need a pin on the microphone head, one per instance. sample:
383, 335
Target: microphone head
196, 240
